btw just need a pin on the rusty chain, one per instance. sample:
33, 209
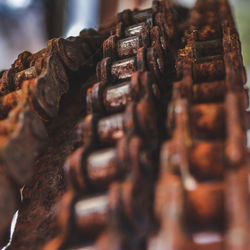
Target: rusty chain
160, 159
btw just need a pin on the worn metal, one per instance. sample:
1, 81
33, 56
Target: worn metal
208, 139
31, 92
159, 158
205, 128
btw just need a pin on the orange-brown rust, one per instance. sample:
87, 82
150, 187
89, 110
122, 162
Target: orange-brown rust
208, 71
209, 92
207, 160
205, 205
208, 120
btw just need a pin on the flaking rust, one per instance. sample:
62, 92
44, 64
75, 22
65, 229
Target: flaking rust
22, 140
31, 92
153, 151
118, 140
204, 149
72, 52
48, 179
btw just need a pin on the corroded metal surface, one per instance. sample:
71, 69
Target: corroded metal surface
111, 176
151, 153
204, 148
31, 92
208, 143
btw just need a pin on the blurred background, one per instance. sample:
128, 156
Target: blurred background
28, 24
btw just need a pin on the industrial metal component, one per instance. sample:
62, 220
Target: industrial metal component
159, 158
31, 91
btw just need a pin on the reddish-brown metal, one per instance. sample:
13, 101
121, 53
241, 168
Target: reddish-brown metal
159, 158
31, 91
208, 139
